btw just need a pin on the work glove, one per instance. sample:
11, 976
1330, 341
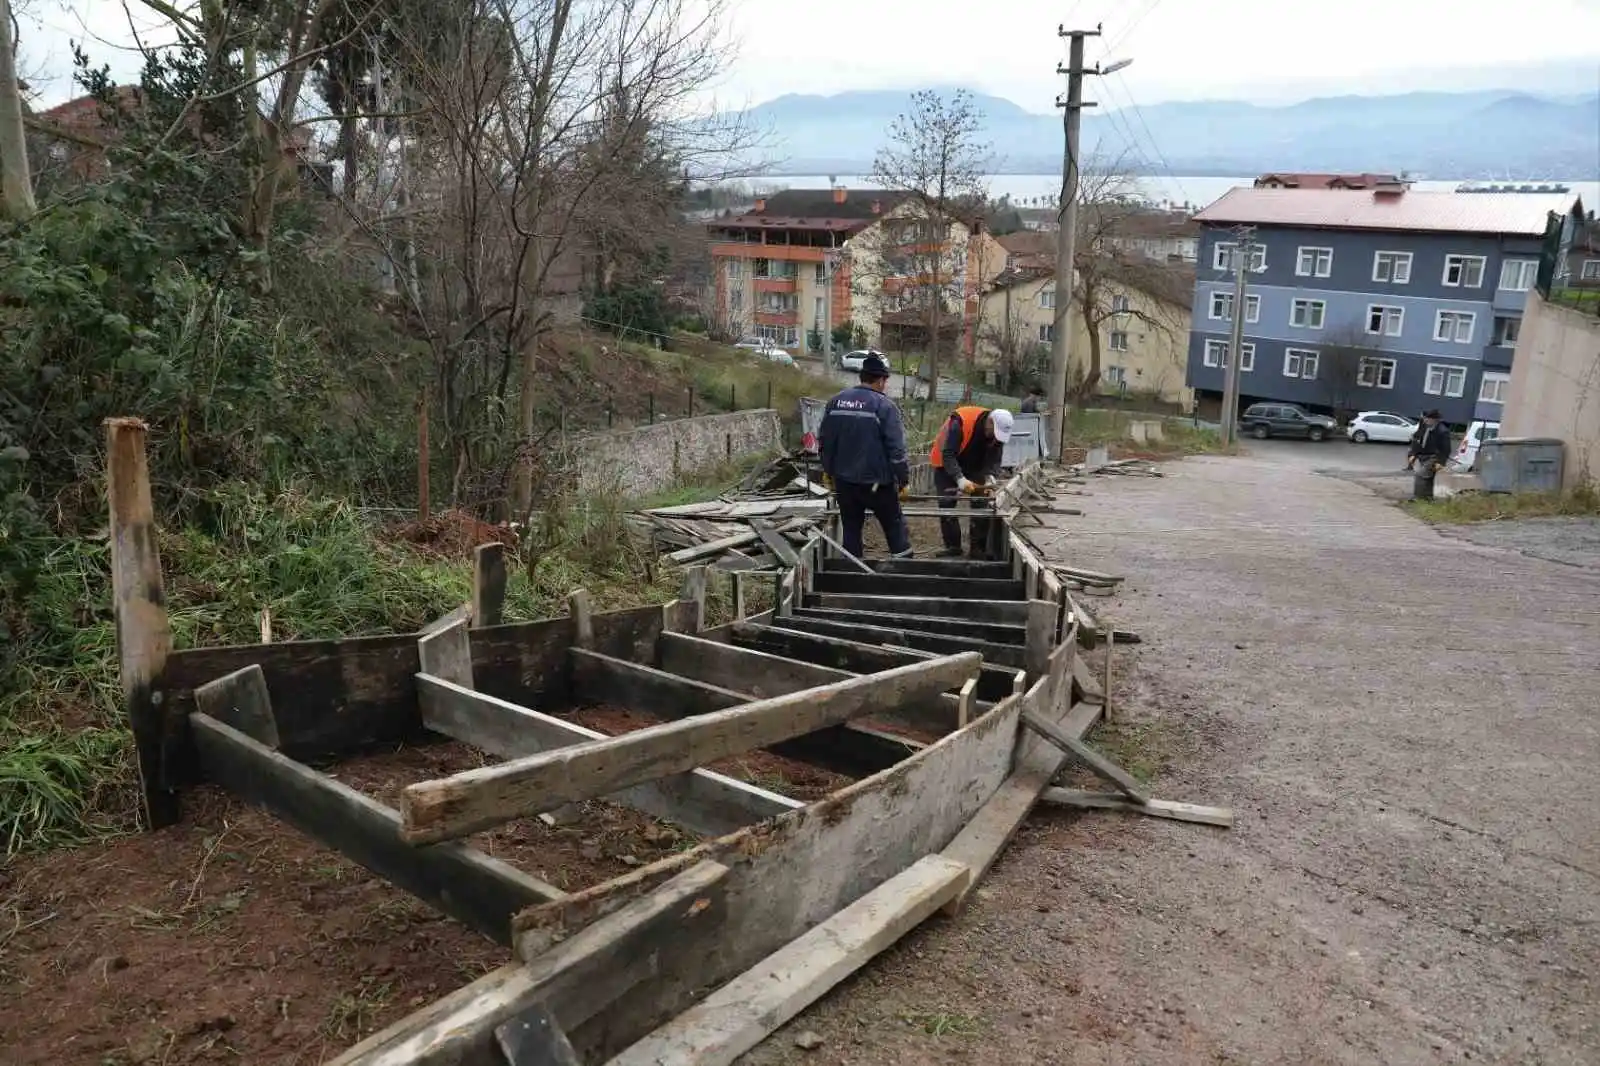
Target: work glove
827, 482
905, 493
967, 487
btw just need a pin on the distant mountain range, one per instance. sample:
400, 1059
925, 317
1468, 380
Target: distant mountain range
1482, 134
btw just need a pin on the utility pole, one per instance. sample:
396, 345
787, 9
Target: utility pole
1243, 248
1067, 233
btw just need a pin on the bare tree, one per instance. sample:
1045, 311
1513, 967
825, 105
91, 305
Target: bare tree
934, 154
1343, 365
16, 180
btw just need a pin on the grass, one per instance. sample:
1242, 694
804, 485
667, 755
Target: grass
1088, 428
320, 567
1493, 506
1142, 748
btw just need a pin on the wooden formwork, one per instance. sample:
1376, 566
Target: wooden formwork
913, 680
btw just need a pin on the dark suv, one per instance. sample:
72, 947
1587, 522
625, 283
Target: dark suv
1263, 420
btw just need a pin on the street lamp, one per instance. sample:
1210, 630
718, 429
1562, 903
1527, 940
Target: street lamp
1115, 66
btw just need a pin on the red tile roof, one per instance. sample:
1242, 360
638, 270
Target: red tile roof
1328, 181
1428, 212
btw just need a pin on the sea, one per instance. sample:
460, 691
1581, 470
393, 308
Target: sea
1176, 191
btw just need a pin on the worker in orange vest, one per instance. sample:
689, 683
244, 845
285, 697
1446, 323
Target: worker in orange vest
966, 460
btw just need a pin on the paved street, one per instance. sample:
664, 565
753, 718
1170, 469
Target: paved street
1405, 724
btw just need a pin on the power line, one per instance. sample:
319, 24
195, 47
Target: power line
1127, 30
1138, 113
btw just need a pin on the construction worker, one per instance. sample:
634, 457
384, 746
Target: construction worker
966, 460
1429, 452
864, 459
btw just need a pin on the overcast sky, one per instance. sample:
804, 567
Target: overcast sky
1263, 50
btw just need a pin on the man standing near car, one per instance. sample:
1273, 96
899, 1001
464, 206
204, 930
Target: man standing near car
1430, 450
864, 457
966, 458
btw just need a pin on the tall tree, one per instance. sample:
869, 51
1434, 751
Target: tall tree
935, 153
16, 180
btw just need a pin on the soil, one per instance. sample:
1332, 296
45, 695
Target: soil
453, 534
1400, 720
787, 777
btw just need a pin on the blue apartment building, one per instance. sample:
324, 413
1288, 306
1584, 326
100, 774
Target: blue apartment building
1382, 299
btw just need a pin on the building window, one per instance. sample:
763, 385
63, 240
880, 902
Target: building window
1446, 380
736, 300
1494, 387
822, 273
1516, 275
1375, 373
736, 270
1119, 341
1252, 309
1463, 271
1392, 267
1591, 270
1119, 305
1222, 256
1454, 326
1314, 263
780, 336
818, 317
1047, 334
1222, 305
1216, 354
1300, 363
1308, 314
1385, 321
1047, 299
1506, 332
1116, 375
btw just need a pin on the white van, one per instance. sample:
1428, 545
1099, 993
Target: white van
1466, 456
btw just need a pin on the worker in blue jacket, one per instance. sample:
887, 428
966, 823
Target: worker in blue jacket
864, 458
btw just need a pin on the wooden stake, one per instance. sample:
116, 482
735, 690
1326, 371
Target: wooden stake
265, 618
1111, 640
144, 633
422, 457
857, 563
969, 695
582, 618
694, 590
488, 585
737, 577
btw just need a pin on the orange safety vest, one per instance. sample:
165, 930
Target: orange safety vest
970, 417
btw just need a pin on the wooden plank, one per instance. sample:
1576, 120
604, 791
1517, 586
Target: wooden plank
454, 879
575, 980
748, 1009
1040, 637
742, 669
1089, 690
240, 700
582, 614
139, 608
603, 679
1102, 767
478, 799
446, 654
776, 543
535, 1038
1105, 702
1004, 612
488, 585
986, 632
945, 588
1088, 627
927, 568
998, 654
694, 592
985, 836
994, 683
966, 702
702, 801
685, 556
1155, 808
462, 613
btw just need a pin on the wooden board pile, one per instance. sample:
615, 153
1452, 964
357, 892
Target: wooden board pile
758, 525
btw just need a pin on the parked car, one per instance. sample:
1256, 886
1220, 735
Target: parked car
853, 360
1466, 456
1385, 426
776, 355
1263, 420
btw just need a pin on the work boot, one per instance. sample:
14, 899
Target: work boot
950, 553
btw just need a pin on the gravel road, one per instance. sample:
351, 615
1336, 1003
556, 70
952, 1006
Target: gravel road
1406, 725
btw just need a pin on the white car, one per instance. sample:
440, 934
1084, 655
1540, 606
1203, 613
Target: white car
775, 355
854, 360
1381, 426
1466, 456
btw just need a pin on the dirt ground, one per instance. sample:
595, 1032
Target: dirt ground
1404, 723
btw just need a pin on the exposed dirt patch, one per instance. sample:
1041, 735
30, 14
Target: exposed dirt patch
786, 777
453, 534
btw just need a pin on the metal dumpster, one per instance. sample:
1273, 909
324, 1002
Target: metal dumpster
1521, 464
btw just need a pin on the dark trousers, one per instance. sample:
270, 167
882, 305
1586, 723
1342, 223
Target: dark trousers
978, 529
884, 502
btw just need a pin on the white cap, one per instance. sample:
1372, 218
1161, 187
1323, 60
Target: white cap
1000, 418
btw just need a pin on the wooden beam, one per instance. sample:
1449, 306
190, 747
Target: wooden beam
535, 1038
748, 1009
694, 591
1155, 808
702, 801
1040, 637
685, 556
582, 614
139, 607
1102, 767
461, 613
446, 654
994, 682
945, 588
987, 632
1089, 690
1004, 612
742, 669
966, 702
998, 654
575, 980
964, 568
1105, 702
488, 585
478, 799
985, 836
776, 543
240, 700
454, 879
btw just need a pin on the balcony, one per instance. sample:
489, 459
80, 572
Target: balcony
777, 284
1497, 356
777, 318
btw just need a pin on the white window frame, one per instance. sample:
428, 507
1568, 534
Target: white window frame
821, 275
1301, 360
1047, 298
1501, 385
1111, 341
1464, 263
1381, 331
1457, 318
1221, 256
1316, 254
1252, 307
1047, 333
1215, 354
1317, 309
1590, 271
1514, 327
1445, 372
1400, 265
1221, 309
1377, 365
1119, 305
1522, 273
1247, 357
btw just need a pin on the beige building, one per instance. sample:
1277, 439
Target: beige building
1143, 338
1555, 385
